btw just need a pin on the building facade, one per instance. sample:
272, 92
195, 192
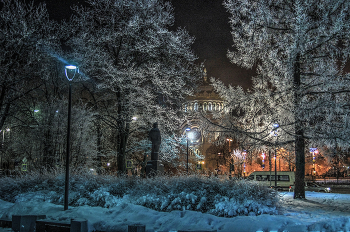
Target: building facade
205, 102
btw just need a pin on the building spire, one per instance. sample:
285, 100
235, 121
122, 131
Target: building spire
205, 76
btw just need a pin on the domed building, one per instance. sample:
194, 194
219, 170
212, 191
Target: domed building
205, 99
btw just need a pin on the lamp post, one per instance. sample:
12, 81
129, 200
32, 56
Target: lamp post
229, 151
263, 160
314, 151
69, 70
189, 135
270, 166
275, 128
232, 168
275, 168
187, 130
244, 162
229, 144
217, 163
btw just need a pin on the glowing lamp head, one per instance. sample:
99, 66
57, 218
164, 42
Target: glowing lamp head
70, 71
71, 67
314, 150
190, 135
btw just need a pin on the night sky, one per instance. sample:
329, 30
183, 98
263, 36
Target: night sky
206, 20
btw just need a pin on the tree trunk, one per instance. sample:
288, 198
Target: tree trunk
123, 133
49, 151
299, 190
4, 115
121, 154
99, 146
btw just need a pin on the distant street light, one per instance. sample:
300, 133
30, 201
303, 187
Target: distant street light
244, 153
263, 160
189, 135
70, 71
229, 144
274, 132
229, 151
217, 163
314, 151
232, 167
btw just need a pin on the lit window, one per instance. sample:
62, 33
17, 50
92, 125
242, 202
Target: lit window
196, 106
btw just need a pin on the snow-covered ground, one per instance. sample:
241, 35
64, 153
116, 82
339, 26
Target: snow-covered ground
320, 212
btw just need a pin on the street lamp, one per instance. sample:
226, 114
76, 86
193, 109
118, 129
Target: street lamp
274, 132
229, 144
314, 151
217, 163
189, 135
229, 151
244, 159
263, 160
70, 71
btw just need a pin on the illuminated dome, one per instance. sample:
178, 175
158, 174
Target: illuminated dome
205, 99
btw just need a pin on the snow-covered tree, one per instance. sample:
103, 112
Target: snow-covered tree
26, 34
127, 47
300, 49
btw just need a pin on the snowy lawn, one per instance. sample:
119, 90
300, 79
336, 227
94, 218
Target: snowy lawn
179, 204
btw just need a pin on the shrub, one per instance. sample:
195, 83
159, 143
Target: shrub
226, 198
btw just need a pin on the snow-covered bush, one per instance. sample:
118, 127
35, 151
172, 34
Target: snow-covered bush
12, 187
208, 195
226, 198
